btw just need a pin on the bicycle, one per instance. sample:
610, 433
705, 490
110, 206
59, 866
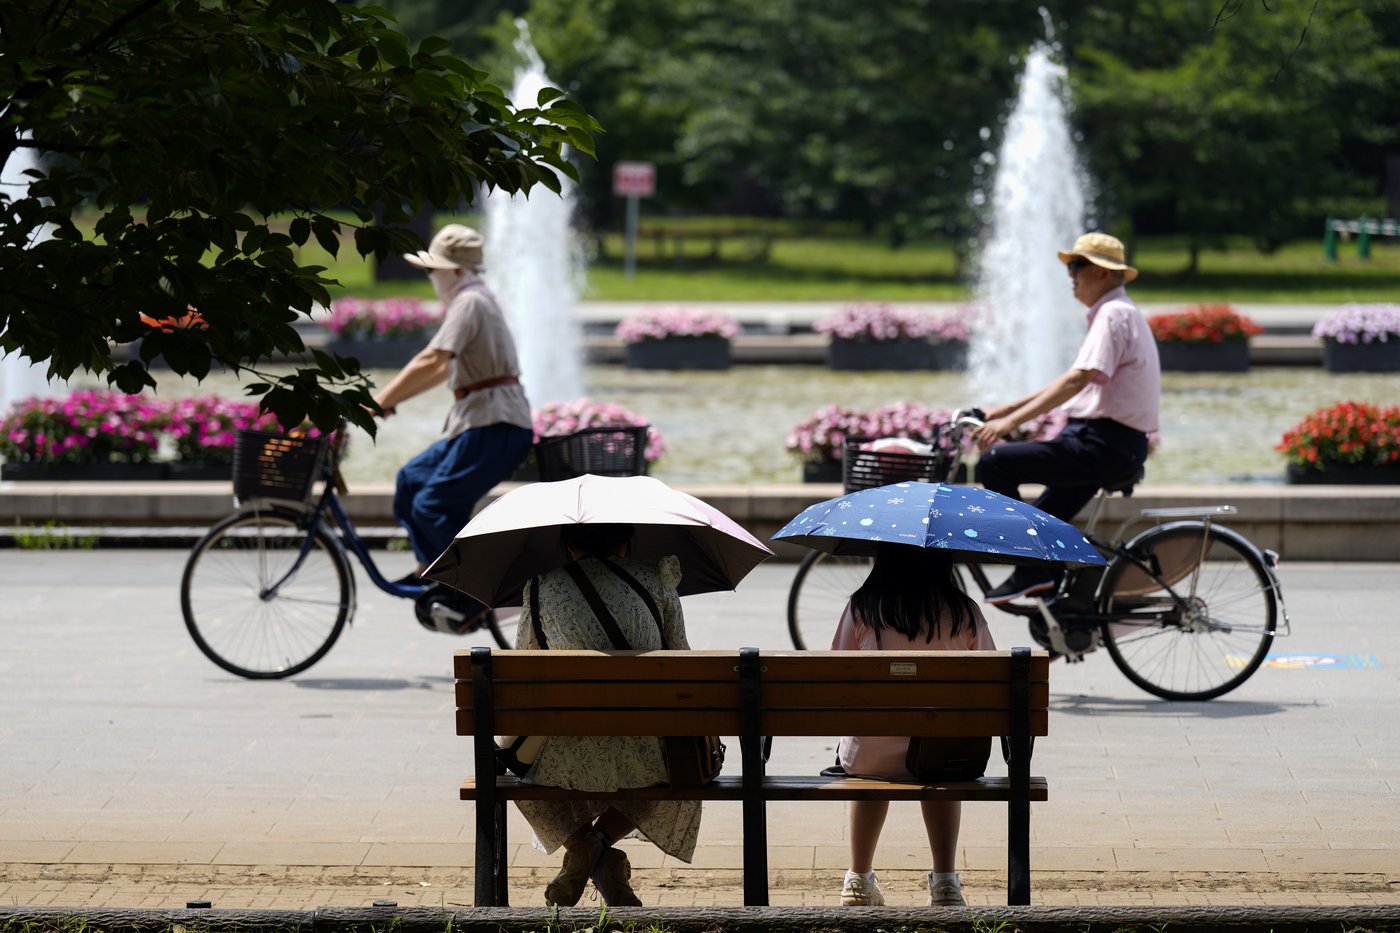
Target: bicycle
268, 589
1187, 608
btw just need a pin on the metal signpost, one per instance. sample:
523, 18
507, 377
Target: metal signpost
633, 180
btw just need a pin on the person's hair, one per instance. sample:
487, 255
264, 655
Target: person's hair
595, 540
911, 590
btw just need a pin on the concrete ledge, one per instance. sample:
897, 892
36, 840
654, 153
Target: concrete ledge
1341, 523
1244, 919
809, 349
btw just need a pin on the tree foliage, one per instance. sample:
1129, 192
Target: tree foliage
1251, 117
1250, 128
210, 138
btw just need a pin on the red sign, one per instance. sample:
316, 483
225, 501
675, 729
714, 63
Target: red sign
634, 179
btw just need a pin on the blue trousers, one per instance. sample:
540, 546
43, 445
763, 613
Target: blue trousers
1087, 454
436, 491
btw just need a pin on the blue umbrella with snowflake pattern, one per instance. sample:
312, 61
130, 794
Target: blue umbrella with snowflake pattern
976, 524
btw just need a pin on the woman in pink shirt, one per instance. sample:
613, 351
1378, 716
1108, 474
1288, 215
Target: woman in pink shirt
911, 601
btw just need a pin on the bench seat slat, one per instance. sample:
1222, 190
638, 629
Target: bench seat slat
673, 721
838, 695
802, 787
778, 666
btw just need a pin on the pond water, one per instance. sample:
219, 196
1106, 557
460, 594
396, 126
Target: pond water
729, 427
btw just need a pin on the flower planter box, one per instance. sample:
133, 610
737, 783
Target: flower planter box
1373, 357
821, 471
84, 472
1345, 474
391, 353
901, 354
709, 352
1227, 356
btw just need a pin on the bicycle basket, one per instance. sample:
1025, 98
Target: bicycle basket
276, 466
610, 451
864, 469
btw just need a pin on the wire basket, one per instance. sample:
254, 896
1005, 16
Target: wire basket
610, 451
864, 469
276, 466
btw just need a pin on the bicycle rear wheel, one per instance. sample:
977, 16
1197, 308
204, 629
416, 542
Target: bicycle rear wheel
1210, 636
237, 622
503, 623
819, 592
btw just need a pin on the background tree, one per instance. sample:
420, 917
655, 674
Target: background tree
871, 113
1239, 130
186, 127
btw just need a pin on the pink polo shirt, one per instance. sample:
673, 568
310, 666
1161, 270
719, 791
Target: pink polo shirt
1120, 349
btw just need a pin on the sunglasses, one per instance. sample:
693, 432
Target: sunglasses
1074, 265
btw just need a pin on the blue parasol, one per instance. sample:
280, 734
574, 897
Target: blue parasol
978, 525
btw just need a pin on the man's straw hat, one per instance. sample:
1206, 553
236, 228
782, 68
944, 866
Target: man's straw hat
1102, 250
454, 247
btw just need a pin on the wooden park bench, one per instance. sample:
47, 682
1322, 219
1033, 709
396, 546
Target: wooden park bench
751, 695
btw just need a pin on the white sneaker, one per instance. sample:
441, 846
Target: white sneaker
857, 892
945, 892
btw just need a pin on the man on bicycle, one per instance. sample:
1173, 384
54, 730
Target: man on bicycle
1111, 394
489, 429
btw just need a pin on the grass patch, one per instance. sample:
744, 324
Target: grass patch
755, 259
53, 535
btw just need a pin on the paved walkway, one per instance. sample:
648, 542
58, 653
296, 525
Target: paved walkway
135, 773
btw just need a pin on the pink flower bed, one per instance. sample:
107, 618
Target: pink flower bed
559, 418
869, 320
677, 321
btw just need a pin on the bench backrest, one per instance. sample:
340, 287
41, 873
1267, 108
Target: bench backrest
699, 692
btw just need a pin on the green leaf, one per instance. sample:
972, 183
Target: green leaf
300, 231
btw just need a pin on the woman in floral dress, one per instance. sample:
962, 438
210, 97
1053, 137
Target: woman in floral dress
587, 829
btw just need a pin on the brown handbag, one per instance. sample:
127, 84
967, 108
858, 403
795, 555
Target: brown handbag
936, 759
691, 760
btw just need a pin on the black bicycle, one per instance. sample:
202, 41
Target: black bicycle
1187, 608
268, 590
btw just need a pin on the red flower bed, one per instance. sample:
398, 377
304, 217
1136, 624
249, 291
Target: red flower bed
1202, 324
1348, 432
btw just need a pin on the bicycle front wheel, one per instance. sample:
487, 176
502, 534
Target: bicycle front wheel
819, 592
1208, 615
234, 613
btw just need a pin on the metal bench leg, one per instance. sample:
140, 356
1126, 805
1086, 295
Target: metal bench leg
502, 865
755, 853
1018, 812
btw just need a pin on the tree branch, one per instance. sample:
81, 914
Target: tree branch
119, 24
1301, 36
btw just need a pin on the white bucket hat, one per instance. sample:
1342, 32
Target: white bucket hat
454, 247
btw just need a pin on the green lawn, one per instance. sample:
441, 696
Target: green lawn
765, 260
770, 262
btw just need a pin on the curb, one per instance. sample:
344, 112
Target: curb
710, 920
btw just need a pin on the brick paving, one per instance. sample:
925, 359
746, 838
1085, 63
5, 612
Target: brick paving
135, 774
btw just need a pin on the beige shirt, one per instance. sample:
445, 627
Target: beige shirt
474, 331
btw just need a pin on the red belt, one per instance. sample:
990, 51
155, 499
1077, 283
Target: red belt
464, 391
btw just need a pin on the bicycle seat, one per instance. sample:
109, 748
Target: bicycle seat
1126, 484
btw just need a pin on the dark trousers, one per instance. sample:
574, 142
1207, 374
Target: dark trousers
435, 492
1073, 466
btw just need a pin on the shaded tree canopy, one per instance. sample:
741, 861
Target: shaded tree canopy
1199, 117
209, 139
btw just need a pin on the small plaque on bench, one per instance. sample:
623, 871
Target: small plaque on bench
903, 669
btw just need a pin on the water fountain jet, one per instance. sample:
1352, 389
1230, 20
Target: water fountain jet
1031, 326
19, 378
534, 267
